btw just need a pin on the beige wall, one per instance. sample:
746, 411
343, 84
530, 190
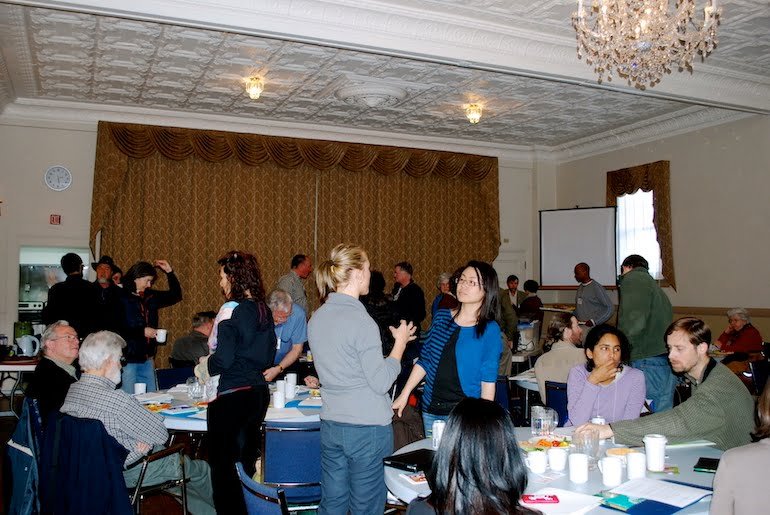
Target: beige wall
27, 203
720, 191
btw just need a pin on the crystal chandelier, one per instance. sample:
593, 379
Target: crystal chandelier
254, 87
640, 40
473, 113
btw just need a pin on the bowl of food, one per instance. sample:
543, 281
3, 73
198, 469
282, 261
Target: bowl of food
542, 443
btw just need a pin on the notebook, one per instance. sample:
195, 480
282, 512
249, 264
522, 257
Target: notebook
413, 461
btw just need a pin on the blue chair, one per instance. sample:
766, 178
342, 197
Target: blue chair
261, 499
502, 393
556, 398
170, 377
291, 460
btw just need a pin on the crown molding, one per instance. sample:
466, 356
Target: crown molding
52, 114
665, 126
386, 28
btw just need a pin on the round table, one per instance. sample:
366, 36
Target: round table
683, 457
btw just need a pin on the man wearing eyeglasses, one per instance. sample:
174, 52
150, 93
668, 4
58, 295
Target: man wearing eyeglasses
56, 372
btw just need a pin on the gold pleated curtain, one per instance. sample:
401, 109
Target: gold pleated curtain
189, 196
653, 177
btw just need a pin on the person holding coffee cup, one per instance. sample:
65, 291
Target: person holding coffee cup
720, 409
140, 304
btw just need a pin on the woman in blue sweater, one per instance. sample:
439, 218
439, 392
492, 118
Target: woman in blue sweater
462, 349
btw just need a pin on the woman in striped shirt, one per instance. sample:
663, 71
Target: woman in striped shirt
462, 349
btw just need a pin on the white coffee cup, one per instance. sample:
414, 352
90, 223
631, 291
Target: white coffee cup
612, 470
655, 448
279, 400
578, 468
160, 335
280, 386
291, 378
637, 465
140, 388
557, 459
537, 461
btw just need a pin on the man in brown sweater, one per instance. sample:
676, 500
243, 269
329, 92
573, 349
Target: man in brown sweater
720, 409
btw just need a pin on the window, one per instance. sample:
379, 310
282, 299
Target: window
643, 198
636, 233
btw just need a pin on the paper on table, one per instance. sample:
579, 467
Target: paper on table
153, 397
692, 443
662, 491
312, 402
570, 503
201, 415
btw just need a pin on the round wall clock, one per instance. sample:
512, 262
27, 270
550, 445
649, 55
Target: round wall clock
58, 178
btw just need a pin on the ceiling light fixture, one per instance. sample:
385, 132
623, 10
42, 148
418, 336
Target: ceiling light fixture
371, 94
640, 40
473, 112
254, 87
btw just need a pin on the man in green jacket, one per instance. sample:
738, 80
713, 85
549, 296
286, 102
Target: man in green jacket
644, 312
720, 409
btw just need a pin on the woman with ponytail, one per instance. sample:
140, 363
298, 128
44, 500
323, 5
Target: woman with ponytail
356, 431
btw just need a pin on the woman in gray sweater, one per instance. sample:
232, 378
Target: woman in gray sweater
356, 433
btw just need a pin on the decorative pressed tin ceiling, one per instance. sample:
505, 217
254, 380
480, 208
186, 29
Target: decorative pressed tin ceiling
405, 67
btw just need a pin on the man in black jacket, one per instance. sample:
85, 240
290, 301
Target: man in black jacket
73, 299
55, 373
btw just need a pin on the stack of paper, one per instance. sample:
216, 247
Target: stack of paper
153, 397
570, 503
666, 492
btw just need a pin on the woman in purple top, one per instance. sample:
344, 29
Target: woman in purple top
604, 386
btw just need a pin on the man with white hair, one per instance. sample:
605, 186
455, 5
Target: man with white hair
137, 429
290, 332
55, 373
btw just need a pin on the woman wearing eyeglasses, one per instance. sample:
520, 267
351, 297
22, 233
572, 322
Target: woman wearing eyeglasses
460, 356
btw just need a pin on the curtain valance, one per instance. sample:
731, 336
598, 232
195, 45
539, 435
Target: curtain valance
142, 141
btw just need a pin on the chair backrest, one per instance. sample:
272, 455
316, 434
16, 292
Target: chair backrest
501, 392
170, 377
77, 452
556, 398
291, 459
261, 499
759, 371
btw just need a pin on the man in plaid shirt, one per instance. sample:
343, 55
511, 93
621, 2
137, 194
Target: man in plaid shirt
137, 429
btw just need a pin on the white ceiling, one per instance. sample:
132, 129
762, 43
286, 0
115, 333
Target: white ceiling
515, 57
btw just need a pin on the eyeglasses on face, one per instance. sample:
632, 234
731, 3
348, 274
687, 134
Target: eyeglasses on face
70, 337
468, 282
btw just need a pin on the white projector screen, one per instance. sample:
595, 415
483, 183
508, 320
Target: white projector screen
571, 236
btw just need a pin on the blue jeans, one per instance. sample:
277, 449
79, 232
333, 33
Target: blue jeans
352, 473
139, 373
659, 380
427, 422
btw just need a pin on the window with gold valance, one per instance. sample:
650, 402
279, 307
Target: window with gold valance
651, 177
189, 195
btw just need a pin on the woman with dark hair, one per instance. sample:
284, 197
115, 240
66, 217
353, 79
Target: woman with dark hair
139, 327
529, 309
478, 467
460, 356
381, 309
243, 344
605, 386
740, 484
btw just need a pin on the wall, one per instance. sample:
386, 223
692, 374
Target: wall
27, 203
29, 148
720, 194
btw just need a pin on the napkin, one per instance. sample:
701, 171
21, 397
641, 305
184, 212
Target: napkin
570, 503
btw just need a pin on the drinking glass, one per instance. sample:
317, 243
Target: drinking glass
587, 442
194, 389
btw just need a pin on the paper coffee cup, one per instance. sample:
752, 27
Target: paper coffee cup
637, 465
160, 335
655, 448
578, 468
140, 388
290, 391
279, 401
